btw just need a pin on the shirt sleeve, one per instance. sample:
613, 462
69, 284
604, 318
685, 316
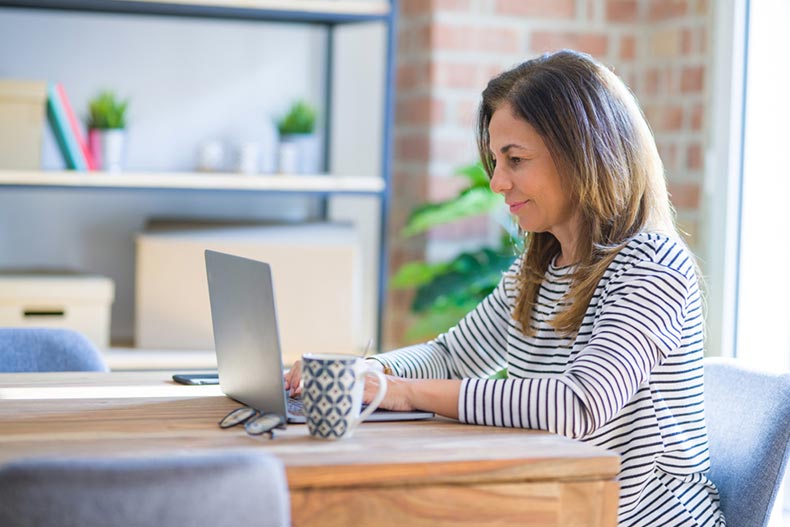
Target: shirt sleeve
638, 325
475, 347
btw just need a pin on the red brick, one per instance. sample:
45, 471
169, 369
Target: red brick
453, 37
423, 7
622, 11
684, 196
414, 39
413, 148
628, 48
414, 7
673, 118
537, 8
501, 40
692, 79
420, 110
694, 156
411, 75
666, 9
696, 117
595, 44
686, 42
653, 81
454, 75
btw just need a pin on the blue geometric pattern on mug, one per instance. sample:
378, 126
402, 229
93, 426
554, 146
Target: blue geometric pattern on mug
327, 397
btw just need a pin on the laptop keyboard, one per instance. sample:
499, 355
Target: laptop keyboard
295, 406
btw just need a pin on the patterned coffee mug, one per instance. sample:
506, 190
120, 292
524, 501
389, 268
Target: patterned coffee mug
332, 393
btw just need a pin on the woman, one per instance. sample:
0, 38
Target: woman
599, 322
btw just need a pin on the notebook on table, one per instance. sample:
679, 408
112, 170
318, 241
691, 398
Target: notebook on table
247, 342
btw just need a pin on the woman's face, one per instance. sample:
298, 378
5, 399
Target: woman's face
526, 176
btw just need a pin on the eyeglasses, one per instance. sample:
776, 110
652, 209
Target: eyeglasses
255, 423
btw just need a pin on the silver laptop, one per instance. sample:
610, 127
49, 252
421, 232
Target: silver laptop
247, 341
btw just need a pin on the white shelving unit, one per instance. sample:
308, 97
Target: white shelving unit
328, 14
303, 183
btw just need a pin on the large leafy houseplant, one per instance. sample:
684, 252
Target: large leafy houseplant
446, 291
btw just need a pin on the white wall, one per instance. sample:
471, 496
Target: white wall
357, 146
189, 80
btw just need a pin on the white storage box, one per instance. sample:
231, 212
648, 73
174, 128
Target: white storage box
317, 282
22, 119
59, 300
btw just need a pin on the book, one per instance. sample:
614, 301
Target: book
75, 128
63, 133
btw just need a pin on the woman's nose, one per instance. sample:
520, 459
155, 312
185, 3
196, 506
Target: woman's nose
499, 183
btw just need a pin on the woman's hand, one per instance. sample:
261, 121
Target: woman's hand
405, 395
293, 379
398, 396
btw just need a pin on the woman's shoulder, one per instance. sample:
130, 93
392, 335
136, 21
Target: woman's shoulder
651, 249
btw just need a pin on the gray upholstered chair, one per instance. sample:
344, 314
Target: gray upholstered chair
213, 489
748, 418
47, 349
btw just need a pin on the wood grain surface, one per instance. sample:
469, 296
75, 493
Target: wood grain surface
436, 472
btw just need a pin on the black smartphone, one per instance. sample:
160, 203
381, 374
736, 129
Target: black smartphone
196, 378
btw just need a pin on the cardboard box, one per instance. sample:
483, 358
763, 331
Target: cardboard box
58, 299
22, 119
317, 281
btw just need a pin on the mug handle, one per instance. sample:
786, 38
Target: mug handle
379, 396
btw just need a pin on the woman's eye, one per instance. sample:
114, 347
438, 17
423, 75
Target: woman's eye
515, 161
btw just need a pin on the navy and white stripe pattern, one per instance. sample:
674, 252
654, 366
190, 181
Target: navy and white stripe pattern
630, 381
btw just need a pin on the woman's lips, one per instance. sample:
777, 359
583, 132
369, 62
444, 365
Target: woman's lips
515, 206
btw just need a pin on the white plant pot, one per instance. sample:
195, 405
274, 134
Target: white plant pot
299, 154
108, 148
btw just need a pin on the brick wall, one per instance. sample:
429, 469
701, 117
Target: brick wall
448, 49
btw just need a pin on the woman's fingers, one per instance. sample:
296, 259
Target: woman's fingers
293, 379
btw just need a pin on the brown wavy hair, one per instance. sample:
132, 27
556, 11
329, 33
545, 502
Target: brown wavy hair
607, 161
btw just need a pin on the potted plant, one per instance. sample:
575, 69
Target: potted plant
107, 131
298, 148
446, 291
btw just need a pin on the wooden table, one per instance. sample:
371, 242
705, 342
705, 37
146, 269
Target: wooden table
417, 473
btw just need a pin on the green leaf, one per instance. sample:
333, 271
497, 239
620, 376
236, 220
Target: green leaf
300, 119
468, 279
472, 202
501, 374
414, 274
107, 112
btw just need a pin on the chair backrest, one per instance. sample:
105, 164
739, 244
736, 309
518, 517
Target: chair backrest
748, 420
212, 489
47, 349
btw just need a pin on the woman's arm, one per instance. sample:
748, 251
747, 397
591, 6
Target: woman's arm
639, 324
475, 347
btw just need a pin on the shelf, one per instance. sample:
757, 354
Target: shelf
129, 358
313, 11
302, 183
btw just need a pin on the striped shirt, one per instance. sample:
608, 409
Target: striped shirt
629, 381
